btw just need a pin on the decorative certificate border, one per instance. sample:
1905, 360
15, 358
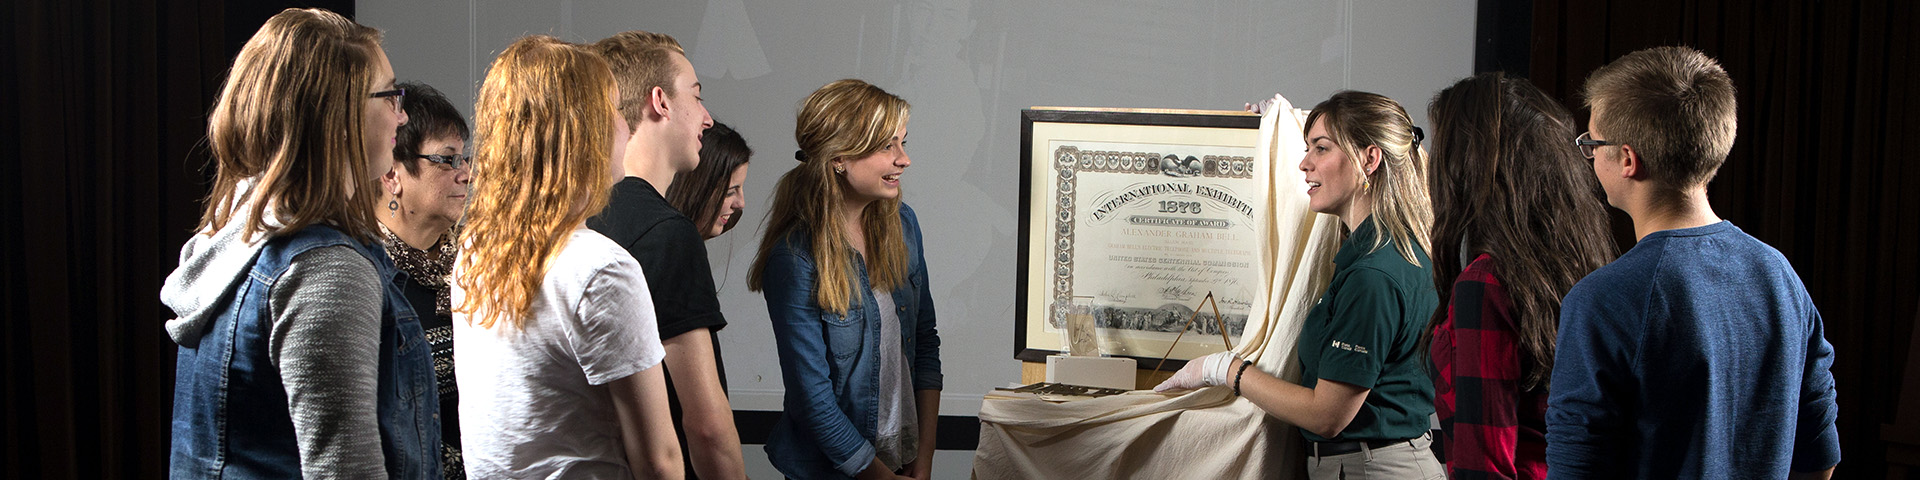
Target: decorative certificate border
1139, 156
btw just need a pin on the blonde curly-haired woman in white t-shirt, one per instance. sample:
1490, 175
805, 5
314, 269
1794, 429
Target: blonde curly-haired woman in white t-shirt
556, 329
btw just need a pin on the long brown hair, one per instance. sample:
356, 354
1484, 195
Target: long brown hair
1357, 120
844, 119
291, 116
541, 166
1507, 182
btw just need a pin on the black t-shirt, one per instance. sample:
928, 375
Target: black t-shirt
673, 257
671, 254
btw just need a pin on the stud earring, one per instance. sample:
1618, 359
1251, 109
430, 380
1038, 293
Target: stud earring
840, 170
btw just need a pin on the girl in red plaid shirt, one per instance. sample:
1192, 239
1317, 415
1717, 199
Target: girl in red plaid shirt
1517, 221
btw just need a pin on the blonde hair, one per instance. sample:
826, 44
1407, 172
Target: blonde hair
844, 119
545, 146
1398, 188
290, 115
640, 61
1675, 105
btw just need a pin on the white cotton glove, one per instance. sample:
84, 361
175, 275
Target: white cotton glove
1261, 107
1208, 371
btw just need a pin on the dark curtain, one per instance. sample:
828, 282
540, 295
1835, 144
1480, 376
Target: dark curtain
1819, 169
106, 103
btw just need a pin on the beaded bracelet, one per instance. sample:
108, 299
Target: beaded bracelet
1241, 373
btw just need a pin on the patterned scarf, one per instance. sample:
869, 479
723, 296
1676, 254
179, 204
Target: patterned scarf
432, 272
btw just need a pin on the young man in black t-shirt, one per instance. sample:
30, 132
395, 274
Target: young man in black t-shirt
660, 98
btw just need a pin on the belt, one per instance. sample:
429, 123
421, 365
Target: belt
1328, 449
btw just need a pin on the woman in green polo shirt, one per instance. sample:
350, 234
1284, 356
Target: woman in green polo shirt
1364, 397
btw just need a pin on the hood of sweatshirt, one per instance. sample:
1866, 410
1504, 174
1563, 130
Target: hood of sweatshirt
212, 263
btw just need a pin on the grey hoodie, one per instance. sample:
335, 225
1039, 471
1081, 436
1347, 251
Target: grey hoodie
211, 265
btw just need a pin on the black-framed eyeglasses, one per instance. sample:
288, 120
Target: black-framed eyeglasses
1586, 143
453, 162
396, 96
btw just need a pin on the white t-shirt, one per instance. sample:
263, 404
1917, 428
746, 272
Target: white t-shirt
533, 399
897, 437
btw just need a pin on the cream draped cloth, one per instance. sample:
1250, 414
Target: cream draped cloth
1205, 433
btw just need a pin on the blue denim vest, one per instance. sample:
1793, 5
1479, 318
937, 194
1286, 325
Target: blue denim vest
826, 433
230, 416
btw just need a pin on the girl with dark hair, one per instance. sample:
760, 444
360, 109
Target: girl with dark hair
1517, 221
711, 194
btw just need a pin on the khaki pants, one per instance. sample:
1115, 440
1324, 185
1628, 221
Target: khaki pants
1411, 460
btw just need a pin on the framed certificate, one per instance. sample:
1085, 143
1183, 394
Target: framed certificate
1131, 217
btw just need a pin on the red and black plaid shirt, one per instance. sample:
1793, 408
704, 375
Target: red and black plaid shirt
1489, 427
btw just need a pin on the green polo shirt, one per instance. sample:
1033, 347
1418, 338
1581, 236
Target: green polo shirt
1365, 331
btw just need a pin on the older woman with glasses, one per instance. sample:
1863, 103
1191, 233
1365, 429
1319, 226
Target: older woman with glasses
424, 194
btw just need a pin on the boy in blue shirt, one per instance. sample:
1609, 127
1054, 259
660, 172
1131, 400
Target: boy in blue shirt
1697, 354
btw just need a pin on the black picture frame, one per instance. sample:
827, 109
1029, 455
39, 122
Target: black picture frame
1023, 349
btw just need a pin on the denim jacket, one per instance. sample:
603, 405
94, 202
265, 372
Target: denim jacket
830, 362
230, 414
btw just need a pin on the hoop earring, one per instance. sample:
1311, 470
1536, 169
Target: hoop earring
393, 206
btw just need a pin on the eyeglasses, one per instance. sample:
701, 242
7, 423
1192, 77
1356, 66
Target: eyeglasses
1586, 143
452, 162
394, 96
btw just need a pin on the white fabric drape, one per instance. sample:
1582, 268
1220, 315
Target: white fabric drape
1206, 433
